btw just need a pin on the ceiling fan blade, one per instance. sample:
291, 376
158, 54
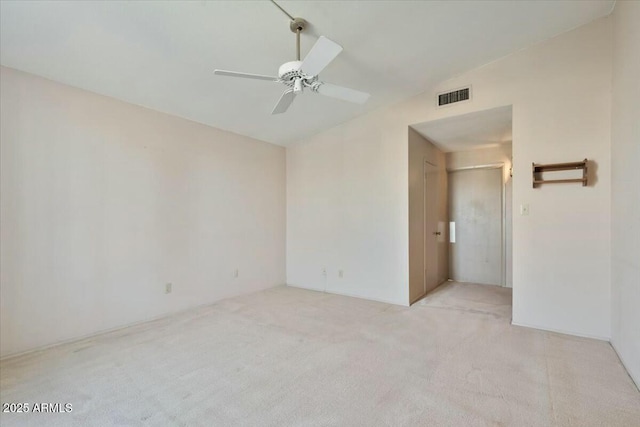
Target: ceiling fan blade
343, 93
245, 75
285, 100
320, 55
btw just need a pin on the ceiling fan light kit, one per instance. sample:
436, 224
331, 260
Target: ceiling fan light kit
298, 75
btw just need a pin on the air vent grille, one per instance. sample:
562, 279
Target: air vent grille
455, 96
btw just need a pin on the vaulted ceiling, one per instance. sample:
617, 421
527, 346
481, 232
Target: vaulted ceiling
161, 54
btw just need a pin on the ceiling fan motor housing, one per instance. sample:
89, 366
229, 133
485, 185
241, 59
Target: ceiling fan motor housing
290, 73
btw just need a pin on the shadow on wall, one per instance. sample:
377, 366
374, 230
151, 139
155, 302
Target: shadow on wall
592, 175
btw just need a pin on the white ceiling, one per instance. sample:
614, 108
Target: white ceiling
161, 54
481, 129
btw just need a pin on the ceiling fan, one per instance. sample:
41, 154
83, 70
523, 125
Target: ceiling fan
298, 75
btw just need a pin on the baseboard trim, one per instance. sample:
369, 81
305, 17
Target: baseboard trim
560, 331
415, 300
308, 288
97, 333
345, 294
634, 380
128, 325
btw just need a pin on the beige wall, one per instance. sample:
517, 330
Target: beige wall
347, 210
560, 91
489, 156
104, 202
421, 150
625, 185
346, 187
483, 156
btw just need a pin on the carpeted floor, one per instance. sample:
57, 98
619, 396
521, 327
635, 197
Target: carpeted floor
288, 356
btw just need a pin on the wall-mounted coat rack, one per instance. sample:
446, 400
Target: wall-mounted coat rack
538, 169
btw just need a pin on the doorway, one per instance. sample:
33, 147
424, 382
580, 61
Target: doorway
476, 202
475, 149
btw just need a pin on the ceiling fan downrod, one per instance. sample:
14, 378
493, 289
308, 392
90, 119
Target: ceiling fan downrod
297, 25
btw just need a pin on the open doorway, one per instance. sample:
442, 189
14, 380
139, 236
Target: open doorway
471, 157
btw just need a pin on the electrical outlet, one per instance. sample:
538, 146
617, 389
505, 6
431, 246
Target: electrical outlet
236, 273
168, 288
324, 271
524, 209
340, 274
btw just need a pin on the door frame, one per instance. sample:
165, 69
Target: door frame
503, 216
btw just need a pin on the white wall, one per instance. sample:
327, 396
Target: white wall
625, 185
104, 202
347, 210
489, 156
348, 205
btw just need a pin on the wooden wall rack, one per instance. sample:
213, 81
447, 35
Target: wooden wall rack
538, 169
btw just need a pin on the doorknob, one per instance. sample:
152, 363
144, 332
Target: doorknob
436, 233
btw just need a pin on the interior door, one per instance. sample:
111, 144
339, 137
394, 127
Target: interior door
475, 206
432, 233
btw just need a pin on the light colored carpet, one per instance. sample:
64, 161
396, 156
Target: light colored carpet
288, 356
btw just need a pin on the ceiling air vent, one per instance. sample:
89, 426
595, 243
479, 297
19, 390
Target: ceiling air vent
447, 98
